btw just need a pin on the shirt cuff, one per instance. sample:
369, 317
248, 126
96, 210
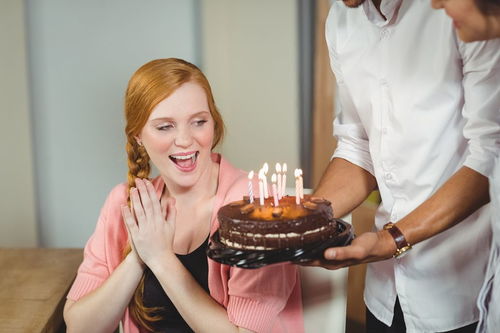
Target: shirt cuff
360, 157
482, 161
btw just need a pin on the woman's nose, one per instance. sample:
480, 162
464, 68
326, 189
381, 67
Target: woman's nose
183, 138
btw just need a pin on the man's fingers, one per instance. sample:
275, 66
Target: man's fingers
344, 253
331, 265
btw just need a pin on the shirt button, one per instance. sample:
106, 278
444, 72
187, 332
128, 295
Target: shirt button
388, 175
384, 33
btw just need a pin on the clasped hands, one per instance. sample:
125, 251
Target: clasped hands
150, 223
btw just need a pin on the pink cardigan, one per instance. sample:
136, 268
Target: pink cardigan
267, 299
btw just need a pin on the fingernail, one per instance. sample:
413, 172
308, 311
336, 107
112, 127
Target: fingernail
330, 254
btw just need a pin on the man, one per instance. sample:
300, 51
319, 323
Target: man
417, 120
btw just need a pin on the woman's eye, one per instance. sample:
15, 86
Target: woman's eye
200, 122
164, 127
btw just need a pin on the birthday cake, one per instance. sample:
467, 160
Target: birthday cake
291, 224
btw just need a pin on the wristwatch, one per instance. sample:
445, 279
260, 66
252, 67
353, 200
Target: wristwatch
402, 246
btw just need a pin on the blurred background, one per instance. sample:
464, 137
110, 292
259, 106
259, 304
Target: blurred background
64, 67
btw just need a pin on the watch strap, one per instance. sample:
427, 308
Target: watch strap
401, 244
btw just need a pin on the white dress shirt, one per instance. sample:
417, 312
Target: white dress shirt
416, 105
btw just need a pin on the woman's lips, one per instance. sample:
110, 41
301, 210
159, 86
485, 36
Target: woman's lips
185, 162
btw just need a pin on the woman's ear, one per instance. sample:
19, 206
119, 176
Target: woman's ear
138, 140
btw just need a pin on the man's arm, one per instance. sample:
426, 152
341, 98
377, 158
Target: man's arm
345, 185
464, 193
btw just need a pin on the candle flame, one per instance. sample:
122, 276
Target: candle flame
273, 178
284, 167
250, 175
261, 174
278, 167
297, 173
265, 168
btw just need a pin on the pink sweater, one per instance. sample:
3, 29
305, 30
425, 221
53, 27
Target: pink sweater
267, 299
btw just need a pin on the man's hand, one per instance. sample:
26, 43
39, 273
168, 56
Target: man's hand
368, 247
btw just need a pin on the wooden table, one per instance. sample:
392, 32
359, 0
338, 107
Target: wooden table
33, 288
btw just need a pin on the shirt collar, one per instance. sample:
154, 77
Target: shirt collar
388, 7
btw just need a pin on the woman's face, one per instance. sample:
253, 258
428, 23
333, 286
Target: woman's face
178, 136
470, 23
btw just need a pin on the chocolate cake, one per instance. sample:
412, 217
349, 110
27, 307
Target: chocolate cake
251, 226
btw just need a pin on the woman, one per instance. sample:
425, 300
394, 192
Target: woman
473, 19
164, 282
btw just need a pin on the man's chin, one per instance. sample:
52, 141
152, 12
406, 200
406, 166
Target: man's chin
353, 3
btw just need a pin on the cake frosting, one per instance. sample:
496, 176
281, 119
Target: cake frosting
251, 226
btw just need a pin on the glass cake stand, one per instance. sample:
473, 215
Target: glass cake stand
259, 258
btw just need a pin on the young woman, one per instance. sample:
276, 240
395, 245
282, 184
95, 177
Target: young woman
145, 264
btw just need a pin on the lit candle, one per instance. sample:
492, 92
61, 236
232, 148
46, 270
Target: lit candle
261, 188
265, 169
250, 186
275, 191
297, 192
283, 180
278, 173
301, 184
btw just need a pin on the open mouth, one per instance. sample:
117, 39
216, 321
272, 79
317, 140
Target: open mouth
185, 161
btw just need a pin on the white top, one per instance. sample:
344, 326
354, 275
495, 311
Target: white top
416, 105
489, 298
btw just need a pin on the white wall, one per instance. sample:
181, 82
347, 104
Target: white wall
250, 55
82, 54
17, 205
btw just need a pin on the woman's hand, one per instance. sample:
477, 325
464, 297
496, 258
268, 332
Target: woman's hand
368, 247
151, 234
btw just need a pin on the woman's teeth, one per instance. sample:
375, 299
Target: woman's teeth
184, 160
185, 157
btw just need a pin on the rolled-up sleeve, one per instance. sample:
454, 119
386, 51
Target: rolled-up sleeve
352, 140
481, 82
